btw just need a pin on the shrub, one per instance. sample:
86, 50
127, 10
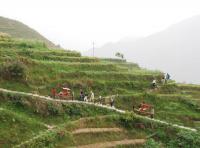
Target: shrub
151, 143
169, 88
13, 71
186, 139
191, 104
52, 109
4, 37
29, 44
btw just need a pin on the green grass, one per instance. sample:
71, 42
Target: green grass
84, 139
174, 109
99, 122
163, 134
21, 114
19, 30
16, 128
46, 68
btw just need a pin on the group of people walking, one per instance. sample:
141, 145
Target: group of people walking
164, 80
144, 108
84, 96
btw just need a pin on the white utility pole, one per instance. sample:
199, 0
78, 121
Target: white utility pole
93, 49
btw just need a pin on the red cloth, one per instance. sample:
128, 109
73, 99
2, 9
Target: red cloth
145, 107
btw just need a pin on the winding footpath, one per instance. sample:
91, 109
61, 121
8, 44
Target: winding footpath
98, 105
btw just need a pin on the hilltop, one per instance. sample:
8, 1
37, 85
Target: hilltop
19, 30
28, 72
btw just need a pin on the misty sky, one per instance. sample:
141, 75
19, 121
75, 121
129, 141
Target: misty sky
74, 24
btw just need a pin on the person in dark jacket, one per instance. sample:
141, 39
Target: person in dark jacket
82, 96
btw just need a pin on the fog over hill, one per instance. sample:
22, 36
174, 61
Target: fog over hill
175, 50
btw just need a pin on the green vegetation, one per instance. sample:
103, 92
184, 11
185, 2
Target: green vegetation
19, 30
157, 134
33, 115
120, 55
13, 70
174, 108
12, 125
29, 66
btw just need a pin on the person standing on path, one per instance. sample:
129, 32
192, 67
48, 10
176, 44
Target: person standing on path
73, 95
152, 111
100, 100
167, 77
53, 93
154, 84
112, 101
82, 96
163, 80
86, 97
91, 96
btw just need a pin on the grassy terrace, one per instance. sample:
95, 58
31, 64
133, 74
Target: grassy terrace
173, 108
13, 124
89, 137
24, 117
131, 128
68, 117
29, 66
45, 68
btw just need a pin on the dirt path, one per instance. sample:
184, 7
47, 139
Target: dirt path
96, 130
98, 105
114, 143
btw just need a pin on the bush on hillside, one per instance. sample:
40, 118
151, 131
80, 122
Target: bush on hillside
169, 136
151, 143
186, 139
169, 88
4, 37
191, 104
30, 44
13, 71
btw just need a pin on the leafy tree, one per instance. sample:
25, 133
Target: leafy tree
120, 55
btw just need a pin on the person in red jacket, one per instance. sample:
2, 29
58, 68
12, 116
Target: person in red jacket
53, 92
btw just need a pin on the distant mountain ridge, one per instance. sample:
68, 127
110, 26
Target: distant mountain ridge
175, 50
19, 30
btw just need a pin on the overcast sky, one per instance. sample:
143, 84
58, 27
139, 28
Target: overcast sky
74, 24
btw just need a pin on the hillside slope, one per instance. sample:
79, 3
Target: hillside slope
28, 72
19, 30
174, 50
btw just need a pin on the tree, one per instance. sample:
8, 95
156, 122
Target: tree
120, 55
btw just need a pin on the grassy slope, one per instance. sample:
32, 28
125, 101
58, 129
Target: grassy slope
28, 117
46, 68
99, 122
12, 126
104, 78
19, 30
68, 67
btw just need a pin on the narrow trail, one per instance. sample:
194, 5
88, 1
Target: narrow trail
98, 105
96, 130
114, 143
